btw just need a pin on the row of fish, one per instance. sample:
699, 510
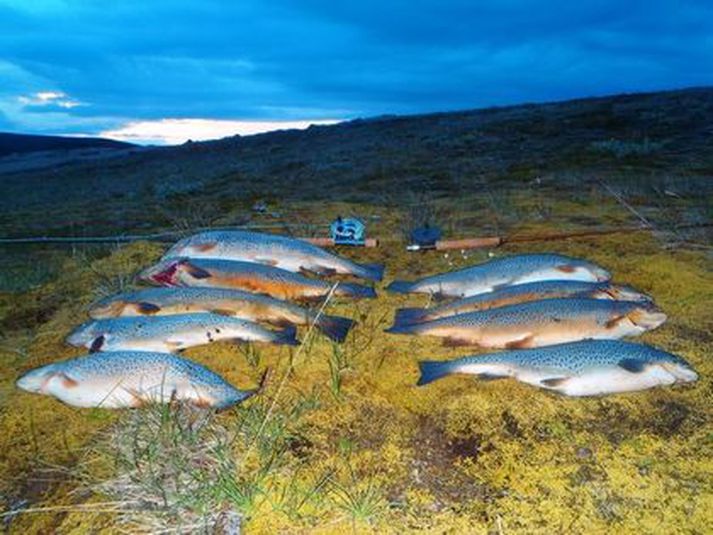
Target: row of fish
214, 286
560, 317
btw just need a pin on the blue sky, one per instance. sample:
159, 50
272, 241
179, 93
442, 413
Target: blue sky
160, 71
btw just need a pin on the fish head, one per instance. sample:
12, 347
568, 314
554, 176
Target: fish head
621, 292
109, 307
165, 273
84, 334
646, 315
597, 272
37, 380
681, 370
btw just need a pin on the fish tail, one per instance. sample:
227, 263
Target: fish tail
287, 336
433, 369
335, 327
400, 287
374, 272
406, 316
403, 328
347, 289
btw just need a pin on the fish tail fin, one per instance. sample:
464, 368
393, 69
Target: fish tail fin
347, 289
403, 328
432, 370
406, 316
335, 327
374, 272
400, 287
287, 336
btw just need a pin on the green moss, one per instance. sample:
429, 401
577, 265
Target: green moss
385, 456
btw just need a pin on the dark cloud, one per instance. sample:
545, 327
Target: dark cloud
311, 59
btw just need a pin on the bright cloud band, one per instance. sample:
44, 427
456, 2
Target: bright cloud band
175, 131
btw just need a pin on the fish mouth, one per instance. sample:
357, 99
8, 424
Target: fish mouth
600, 274
163, 274
622, 292
81, 335
35, 380
647, 318
681, 373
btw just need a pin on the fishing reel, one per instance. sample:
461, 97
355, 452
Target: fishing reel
424, 237
347, 231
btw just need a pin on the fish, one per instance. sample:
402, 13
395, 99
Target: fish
270, 249
172, 333
236, 303
255, 278
124, 379
521, 293
586, 368
541, 323
501, 272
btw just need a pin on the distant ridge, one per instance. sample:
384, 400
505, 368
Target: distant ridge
20, 143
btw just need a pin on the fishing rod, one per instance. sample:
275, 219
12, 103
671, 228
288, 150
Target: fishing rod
497, 241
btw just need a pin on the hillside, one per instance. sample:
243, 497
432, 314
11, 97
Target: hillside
23, 143
663, 136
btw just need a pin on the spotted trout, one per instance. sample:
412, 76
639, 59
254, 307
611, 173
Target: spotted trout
272, 250
588, 368
124, 379
240, 304
172, 333
521, 293
501, 272
541, 323
256, 278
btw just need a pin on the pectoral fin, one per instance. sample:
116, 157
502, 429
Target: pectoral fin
632, 365
566, 268
195, 271
527, 341
67, 381
148, 308
97, 344
612, 323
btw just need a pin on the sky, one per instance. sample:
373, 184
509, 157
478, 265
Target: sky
156, 71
